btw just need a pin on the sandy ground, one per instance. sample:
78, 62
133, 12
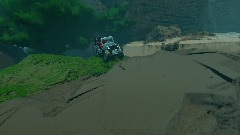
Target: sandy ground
187, 92
221, 42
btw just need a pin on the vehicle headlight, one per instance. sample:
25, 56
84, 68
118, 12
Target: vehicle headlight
107, 52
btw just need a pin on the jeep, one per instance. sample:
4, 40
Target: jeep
106, 47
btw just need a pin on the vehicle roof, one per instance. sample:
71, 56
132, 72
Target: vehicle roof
104, 37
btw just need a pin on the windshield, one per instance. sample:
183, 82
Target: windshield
107, 40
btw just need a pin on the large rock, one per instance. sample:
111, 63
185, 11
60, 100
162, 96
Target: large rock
161, 33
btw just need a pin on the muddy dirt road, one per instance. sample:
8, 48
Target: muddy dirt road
169, 93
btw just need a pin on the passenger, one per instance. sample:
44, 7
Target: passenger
104, 41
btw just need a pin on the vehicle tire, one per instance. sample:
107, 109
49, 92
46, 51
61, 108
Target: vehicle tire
97, 53
105, 58
121, 55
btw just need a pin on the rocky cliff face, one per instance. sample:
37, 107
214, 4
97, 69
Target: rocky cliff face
223, 16
189, 15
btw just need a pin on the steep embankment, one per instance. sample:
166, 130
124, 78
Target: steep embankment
164, 93
39, 72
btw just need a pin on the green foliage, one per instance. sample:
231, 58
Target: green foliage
10, 6
3, 22
83, 41
38, 72
115, 19
115, 12
27, 18
48, 25
19, 37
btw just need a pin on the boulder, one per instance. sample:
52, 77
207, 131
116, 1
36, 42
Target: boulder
161, 33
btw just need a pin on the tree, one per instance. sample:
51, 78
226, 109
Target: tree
54, 25
114, 18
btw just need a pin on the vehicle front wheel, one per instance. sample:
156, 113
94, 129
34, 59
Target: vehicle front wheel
106, 57
98, 53
121, 55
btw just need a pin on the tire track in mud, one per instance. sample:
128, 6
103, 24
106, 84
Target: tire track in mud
231, 56
194, 53
61, 106
224, 77
9, 113
120, 65
86, 81
83, 93
88, 88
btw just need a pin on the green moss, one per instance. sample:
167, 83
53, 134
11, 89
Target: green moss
38, 72
16, 90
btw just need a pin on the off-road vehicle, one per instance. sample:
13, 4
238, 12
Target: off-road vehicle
106, 47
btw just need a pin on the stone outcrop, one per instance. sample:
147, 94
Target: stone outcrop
161, 33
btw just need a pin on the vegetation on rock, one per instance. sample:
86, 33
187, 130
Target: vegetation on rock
38, 72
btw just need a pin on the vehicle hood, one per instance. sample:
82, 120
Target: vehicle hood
109, 44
